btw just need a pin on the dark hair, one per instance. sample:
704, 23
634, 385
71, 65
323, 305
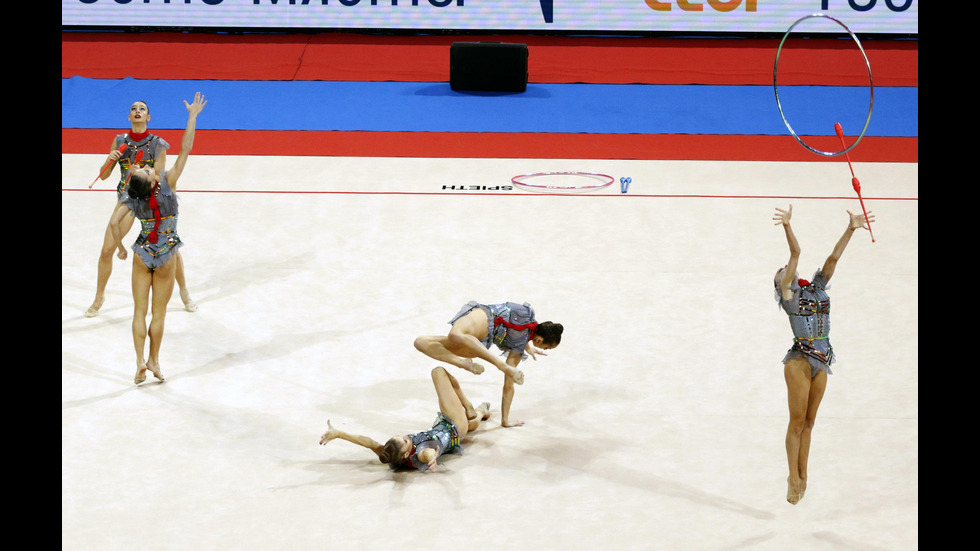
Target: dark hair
392, 451
549, 332
139, 186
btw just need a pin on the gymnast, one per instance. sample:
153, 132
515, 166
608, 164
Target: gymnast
154, 154
152, 198
510, 326
807, 363
421, 450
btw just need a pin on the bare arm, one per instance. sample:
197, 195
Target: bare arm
187, 142
110, 162
783, 217
513, 359
856, 221
160, 163
364, 441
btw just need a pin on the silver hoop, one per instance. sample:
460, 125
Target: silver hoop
776, 87
605, 180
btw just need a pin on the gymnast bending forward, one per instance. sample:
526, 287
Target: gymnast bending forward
807, 363
152, 198
510, 326
421, 450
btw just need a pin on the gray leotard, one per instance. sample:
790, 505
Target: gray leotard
442, 437
152, 147
506, 339
809, 317
156, 254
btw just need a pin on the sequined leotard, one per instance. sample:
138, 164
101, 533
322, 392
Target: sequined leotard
152, 147
442, 437
809, 317
156, 254
506, 338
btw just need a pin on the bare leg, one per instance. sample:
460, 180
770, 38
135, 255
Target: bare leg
163, 288
800, 391
437, 349
451, 404
817, 387
105, 263
185, 294
465, 342
471, 413
161, 282
142, 280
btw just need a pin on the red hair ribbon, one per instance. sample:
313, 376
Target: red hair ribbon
531, 326
803, 283
152, 202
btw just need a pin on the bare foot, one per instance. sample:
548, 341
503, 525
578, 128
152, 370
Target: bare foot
140, 373
189, 304
794, 492
517, 375
484, 408
155, 369
94, 309
471, 366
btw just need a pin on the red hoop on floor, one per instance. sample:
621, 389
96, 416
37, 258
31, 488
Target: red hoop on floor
605, 180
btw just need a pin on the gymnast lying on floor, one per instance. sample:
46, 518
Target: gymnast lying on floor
421, 450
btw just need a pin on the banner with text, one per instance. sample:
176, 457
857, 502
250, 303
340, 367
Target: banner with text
713, 16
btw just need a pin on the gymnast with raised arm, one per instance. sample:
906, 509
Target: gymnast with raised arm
510, 326
807, 363
152, 197
151, 150
421, 450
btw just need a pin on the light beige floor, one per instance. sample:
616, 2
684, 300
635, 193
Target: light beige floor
657, 424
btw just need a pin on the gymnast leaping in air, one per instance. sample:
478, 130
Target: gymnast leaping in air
421, 450
807, 363
510, 326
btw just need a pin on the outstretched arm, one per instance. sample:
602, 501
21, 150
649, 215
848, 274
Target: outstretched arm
364, 441
187, 142
783, 217
856, 221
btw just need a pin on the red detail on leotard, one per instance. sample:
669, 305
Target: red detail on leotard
531, 326
152, 202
